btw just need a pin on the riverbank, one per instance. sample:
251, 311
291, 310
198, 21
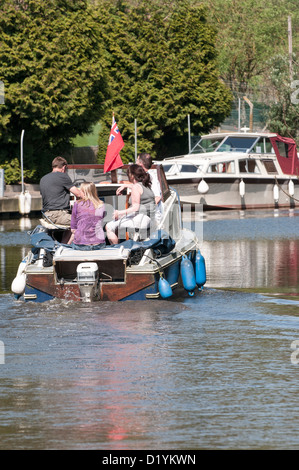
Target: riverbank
9, 203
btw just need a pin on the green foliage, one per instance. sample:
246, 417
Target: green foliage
253, 47
12, 172
249, 33
52, 66
162, 68
283, 116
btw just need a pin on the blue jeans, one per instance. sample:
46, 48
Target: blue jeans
100, 246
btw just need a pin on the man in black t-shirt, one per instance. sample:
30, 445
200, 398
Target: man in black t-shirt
55, 188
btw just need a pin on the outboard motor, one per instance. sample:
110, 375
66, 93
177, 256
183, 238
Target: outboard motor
87, 279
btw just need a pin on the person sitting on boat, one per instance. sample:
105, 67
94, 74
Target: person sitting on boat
55, 189
138, 215
146, 161
86, 221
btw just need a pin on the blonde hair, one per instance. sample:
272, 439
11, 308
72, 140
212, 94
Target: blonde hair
90, 194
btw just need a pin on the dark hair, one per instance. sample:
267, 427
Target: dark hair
59, 162
139, 174
146, 160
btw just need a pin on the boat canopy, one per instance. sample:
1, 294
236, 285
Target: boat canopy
286, 153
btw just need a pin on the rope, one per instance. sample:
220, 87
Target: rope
287, 194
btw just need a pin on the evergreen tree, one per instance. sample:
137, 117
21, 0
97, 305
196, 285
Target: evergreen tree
162, 68
52, 67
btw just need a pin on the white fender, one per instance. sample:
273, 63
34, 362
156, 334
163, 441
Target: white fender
25, 203
242, 188
203, 187
22, 203
18, 284
291, 188
22, 267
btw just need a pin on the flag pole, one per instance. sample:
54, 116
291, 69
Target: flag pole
115, 144
113, 176
113, 172
135, 140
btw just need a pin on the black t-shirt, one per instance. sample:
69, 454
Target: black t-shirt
54, 188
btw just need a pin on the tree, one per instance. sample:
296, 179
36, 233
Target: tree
162, 68
53, 69
249, 33
283, 116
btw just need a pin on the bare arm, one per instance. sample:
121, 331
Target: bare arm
122, 187
135, 198
76, 192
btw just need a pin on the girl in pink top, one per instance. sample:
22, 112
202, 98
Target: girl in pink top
86, 221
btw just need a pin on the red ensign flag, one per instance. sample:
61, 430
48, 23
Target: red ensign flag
115, 144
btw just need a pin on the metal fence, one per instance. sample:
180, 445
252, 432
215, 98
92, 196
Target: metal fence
243, 116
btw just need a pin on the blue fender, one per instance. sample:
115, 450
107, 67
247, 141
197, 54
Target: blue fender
164, 288
200, 269
188, 276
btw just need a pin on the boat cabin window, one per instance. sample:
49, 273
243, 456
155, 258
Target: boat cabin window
167, 168
222, 167
182, 168
188, 168
283, 149
270, 166
263, 145
248, 165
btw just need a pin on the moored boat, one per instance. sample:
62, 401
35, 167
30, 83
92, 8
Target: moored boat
138, 268
237, 170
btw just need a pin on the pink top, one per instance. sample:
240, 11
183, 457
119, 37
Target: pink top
87, 221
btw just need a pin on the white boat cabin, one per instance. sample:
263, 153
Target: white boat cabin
231, 154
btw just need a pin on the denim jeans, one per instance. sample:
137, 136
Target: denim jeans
100, 246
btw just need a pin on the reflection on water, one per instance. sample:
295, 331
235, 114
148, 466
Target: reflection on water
258, 250
209, 372
272, 265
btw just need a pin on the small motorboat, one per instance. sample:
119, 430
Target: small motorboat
137, 268
237, 170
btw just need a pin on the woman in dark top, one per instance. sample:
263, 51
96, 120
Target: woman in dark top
138, 215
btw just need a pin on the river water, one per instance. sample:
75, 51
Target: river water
216, 371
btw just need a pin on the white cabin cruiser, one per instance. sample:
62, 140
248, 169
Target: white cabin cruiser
237, 170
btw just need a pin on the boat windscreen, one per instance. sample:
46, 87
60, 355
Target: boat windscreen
96, 175
237, 144
224, 144
207, 144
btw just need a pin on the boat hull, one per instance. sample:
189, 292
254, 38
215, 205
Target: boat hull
41, 287
225, 193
